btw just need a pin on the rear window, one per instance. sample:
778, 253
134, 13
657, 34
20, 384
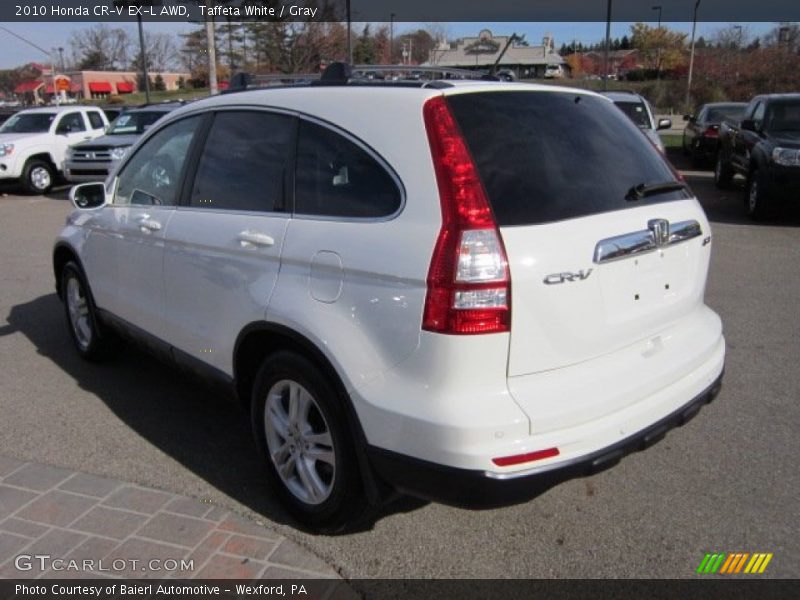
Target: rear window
720, 113
550, 156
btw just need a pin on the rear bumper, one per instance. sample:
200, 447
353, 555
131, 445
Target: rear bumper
482, 489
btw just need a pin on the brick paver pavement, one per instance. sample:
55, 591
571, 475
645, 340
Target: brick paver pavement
78, 517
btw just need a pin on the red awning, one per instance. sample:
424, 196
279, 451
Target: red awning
27, 86
100, 87
124, 87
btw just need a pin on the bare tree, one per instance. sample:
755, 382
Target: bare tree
100, 48
161, 50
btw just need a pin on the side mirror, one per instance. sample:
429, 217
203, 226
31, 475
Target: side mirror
88, 195
748, 125
664, 124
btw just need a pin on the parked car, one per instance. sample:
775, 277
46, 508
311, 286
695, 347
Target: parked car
764, 147
33, 142
641, 113
6, 113
701, 133
434, 300
93, 160
113, 111
553, 72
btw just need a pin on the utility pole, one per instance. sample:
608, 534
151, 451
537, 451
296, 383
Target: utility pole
349, 35
691, 57
212, 52
607, 46
391, 38
143, 58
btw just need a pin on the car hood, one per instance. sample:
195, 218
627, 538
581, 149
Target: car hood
109, 141
28, 138
787, 139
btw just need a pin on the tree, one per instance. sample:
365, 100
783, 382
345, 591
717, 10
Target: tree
659, 48
364, 50
161, 53
100, 48
158, 83
733, 37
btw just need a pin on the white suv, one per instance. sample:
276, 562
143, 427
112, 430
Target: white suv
461, 290
34, 142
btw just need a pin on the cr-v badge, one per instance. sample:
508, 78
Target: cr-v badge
557, 278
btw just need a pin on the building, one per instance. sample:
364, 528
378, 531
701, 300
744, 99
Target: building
619, 62
83, 85
481, 52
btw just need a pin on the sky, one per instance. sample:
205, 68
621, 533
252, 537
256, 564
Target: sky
14, 52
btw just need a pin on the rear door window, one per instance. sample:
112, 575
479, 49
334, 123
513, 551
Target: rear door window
337, 178
96, 120
550, 156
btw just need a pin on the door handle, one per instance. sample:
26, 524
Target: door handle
146, 224
249, 239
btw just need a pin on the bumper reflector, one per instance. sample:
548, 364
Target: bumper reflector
507, 461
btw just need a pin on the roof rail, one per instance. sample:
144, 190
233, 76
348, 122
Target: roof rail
340, 73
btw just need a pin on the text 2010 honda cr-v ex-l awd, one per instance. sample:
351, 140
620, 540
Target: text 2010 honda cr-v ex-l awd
461, 290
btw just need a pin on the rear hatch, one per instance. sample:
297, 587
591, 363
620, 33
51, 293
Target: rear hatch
605, 247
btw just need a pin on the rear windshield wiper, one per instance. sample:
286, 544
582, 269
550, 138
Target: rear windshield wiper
643, 190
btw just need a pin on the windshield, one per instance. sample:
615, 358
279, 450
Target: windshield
549, 156
637, 112
28, 123
134, 123
783, 116
720, 113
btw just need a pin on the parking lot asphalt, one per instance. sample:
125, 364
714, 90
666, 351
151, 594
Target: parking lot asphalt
725, 482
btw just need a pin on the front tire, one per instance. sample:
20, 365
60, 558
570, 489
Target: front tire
756, 200
38, 177
88, 335
301, 431
723, 173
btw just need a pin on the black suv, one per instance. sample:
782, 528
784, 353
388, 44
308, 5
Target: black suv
765, 148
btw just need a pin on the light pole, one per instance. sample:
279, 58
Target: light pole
608, 45
40, 49
61, 56
391, 38
691, 56
658, 50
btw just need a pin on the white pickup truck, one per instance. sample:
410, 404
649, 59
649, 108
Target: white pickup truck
34, 142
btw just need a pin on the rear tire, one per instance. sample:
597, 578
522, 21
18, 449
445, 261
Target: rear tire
723, 173
301, 431
38, 176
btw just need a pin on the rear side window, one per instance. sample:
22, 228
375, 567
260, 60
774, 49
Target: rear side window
96, 120
337, 178
549, 156
243, 164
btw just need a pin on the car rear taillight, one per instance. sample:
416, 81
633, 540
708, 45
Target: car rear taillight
469, 286
712, 131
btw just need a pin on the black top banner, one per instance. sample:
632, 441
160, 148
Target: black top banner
398, 10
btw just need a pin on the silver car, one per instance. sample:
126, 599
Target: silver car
95, 159
641, 113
